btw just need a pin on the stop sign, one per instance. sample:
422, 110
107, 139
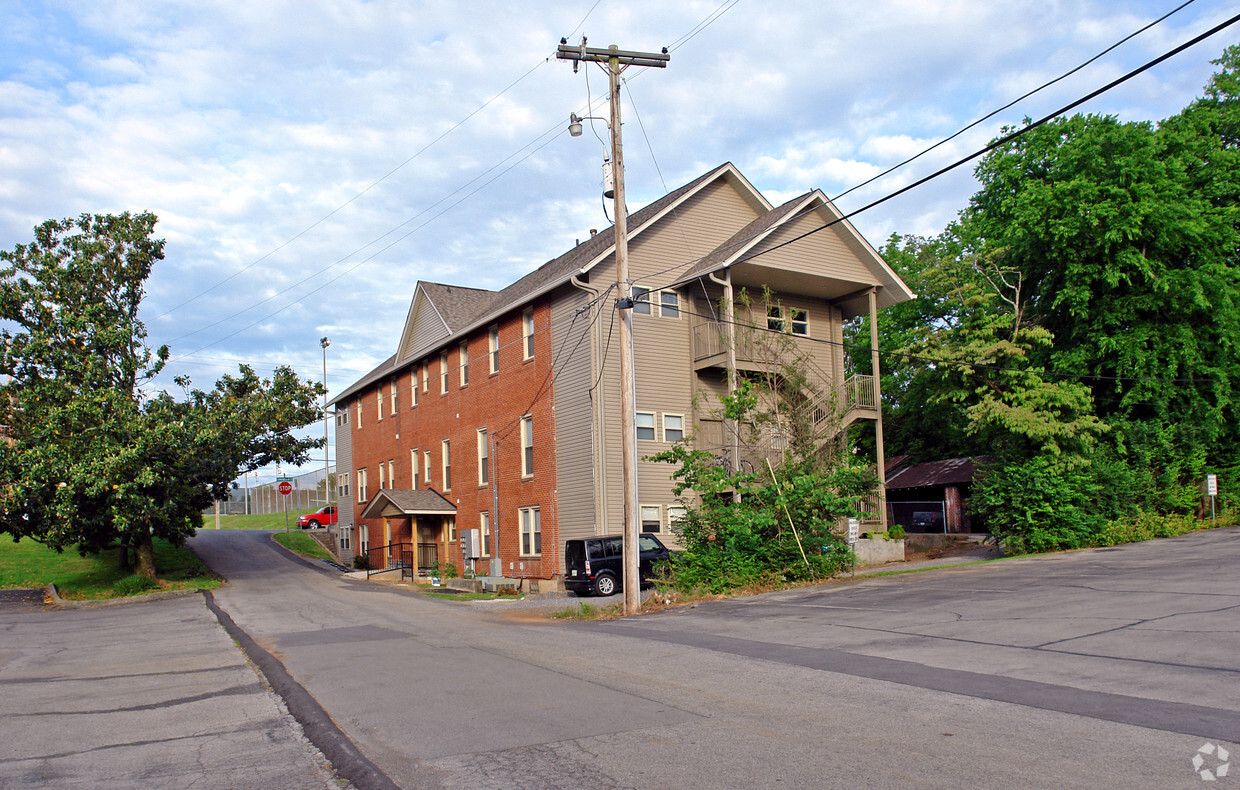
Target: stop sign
285, 487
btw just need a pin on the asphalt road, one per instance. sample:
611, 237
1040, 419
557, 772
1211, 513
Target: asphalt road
1104, 668
146, 695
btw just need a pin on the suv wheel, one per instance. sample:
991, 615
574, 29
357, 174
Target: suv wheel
312, 524
605, 584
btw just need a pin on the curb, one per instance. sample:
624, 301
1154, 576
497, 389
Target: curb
61, 603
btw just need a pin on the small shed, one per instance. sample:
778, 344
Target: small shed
932, 497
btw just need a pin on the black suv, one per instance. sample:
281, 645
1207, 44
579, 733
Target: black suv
596, 565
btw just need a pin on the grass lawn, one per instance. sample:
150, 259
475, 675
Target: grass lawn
303, 544
31, 564
256, 520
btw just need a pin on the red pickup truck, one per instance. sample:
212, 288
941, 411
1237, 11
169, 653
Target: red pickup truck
322, 517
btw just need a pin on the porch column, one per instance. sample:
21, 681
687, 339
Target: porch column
880, 457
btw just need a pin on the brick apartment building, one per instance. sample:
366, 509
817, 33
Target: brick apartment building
499, 410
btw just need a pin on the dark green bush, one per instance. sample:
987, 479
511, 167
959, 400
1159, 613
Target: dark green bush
134, 585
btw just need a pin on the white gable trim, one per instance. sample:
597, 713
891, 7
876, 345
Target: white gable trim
424, 326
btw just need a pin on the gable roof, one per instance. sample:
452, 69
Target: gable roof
409, 501
951, 471
464, 309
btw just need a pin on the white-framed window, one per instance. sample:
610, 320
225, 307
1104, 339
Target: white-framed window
359, 414
675, 515
531, 531
447, 464
361, 485
527, 333
342, 416
413, 466
484, 474
392, 394
673, 427
342, 486
641, 300
527, 446
426, 376
363, 539
392, 473
443, 372
651, 518
645, 425
493, 349
413, 388
426, 466
464, 352
451, 528
669, 304
793, 320
380, 476
484, 532
379, 400
344, 537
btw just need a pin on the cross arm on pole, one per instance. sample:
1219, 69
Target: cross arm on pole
593, 54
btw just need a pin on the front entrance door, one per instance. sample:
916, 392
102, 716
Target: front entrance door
428, 543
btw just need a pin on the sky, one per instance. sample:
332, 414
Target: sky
311, 161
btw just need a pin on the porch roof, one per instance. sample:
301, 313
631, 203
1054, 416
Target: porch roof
390, 502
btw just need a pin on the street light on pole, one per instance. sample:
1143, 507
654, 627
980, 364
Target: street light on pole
327, 488
616, 61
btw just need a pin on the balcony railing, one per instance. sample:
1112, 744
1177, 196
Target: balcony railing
860, 393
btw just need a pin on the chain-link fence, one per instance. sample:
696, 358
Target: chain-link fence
308, 493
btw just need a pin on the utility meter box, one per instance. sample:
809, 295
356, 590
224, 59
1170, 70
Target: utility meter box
470, 544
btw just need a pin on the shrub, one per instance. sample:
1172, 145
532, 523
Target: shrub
361, 562
1041, 504
134, 585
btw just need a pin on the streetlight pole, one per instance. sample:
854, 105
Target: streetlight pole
616, 61
327, 487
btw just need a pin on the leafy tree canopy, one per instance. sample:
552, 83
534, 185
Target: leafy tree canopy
91, 459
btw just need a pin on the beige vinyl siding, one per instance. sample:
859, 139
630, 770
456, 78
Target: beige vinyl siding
662, 346
345, 517
574, 440
427, 329
823, 253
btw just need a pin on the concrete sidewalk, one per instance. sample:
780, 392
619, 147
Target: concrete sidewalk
151, 694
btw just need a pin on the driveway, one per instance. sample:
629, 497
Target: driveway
1106, 668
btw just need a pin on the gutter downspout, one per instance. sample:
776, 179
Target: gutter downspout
728, 309
598, 448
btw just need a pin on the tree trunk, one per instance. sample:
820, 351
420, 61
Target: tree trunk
144, 550
124, 555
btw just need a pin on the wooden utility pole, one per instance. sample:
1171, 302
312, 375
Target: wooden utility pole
617, 61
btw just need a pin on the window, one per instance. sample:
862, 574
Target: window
493, 349
443, 372
645, 425
673, 427
787, 319
426, 375
392, 395
363, 539
531, 531
342, 486
675, 515
651, 518
451, 527
669, 304
483, 472
527, 446
359, 414
527, 333
392, 473
484, 532
426, 466
413, 465
464, 364
361, 485
379, 400
413, 388
447, 465
380, 476
344, 538
342, 416
641, 300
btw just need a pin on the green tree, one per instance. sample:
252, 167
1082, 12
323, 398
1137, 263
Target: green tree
90, 460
